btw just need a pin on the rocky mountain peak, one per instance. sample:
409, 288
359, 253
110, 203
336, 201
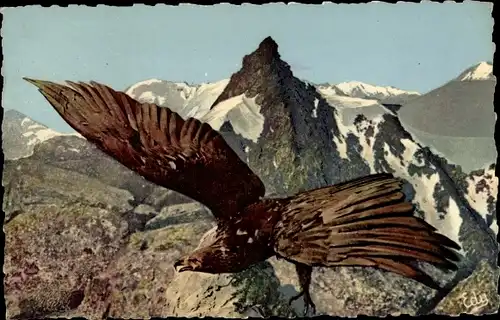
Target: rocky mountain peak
266, 52
262, 67
265, 108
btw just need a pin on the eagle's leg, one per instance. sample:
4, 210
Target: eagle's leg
304, 272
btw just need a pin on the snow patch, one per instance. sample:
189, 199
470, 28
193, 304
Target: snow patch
26, 120
195, 101
340, 141
243, 113
275, 164
203, 97
40, 135
367, 143
357, 87
409, 153
44, 135
35, 126
149, 97
494, 227
315, 110
28, 133
483, 71
346, 102
480, 189
142, 83
450, 224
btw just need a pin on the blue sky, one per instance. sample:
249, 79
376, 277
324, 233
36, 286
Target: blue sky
409, 46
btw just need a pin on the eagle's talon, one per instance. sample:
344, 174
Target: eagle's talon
309, 305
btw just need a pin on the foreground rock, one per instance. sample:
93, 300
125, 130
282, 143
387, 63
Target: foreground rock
62, 228
348, 292
51, 253
475, 295
228, 295
135, 283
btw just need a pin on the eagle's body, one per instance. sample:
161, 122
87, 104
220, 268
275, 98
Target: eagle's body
361, 222
243, 242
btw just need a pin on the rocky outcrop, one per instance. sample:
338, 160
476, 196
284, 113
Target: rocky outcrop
478, 294
57, 243
229, 295
76, 246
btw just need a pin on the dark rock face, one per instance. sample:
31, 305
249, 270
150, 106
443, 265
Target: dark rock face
294, 151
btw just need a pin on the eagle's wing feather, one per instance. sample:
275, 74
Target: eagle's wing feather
362, 222
187, 156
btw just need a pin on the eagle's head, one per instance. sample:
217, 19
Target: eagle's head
212, 259
188, 263
206, 260
221, 252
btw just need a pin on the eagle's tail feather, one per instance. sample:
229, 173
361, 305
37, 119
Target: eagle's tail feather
390, 244
371, 224
398, 267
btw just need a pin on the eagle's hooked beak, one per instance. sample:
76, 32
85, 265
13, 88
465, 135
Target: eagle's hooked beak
185, 265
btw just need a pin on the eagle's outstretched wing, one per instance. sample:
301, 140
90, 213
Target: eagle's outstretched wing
362, 222
187, 156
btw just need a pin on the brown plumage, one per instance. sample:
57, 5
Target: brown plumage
363, 222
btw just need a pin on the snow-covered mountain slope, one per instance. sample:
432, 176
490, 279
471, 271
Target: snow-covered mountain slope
21, 134
196, 101
478, 72
188, 101
344, 101
241, 112
349, 108
362, 90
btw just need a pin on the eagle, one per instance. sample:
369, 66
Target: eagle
364, 222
